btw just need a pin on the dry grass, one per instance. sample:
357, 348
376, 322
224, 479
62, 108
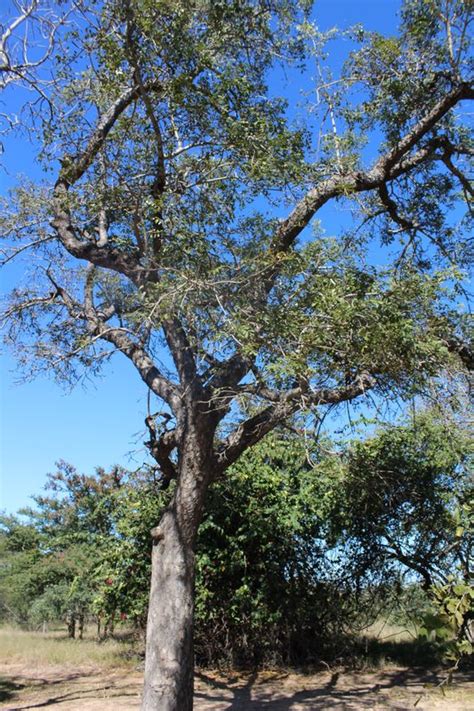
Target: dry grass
383, 631
54, 647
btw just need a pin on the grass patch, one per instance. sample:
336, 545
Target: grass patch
384, 631
385, 644
21, 646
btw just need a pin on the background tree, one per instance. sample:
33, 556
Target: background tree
52, 553
19, 552
186, 185
416, 480
404, 505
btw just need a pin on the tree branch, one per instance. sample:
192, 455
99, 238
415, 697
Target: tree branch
392, 209
386, 168
160, 448
254, 428
150, 374
183, 356
15, 64
463, 351
73, 168
390, 166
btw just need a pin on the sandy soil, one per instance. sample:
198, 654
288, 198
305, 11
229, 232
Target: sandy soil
87, 690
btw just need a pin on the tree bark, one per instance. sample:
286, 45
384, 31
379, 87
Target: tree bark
71, 626
169, 659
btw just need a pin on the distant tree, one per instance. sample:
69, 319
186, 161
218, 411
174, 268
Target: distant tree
176, 222
405, 504
19, 550
38, 584
123, 573
401, 496
52, 553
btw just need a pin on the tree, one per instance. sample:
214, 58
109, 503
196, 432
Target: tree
18, 553
401, 496
76, 523
38, 584
185, 187
51, 554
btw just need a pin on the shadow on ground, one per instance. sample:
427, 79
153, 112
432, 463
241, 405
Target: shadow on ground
8, 689
84, 689
417, 653
337, 690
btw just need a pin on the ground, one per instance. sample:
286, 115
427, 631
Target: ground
69, 689
48, 670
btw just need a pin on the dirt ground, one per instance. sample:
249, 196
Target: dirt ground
85, 689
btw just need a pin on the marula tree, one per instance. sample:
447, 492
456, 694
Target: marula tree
177, 231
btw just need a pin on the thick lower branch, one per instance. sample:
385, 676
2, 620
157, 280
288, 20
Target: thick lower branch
255, 428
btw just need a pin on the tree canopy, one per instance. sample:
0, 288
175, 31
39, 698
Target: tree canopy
176, 197
181, 228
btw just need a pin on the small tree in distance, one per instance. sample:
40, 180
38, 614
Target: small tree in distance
177, 222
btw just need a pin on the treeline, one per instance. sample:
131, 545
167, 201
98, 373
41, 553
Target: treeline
301, 547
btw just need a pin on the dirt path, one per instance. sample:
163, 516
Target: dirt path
85, 689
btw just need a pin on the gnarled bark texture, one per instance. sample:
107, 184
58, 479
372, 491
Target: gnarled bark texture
169, 666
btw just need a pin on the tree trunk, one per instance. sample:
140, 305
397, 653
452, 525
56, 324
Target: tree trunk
71, 626
81, 626
169, 659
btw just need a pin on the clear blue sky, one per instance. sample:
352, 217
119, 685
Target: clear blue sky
101, 422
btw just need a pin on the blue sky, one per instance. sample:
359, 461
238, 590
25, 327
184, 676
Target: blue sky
100, 422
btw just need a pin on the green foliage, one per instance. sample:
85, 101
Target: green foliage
259, 554
232, 149
301, 546
453, 601
414, 478
122, 574
50, 560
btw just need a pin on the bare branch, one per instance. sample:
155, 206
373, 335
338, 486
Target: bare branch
15, 251
102, 229
392, 209
15, 63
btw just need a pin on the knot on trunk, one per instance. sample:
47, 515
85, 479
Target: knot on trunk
156, 534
